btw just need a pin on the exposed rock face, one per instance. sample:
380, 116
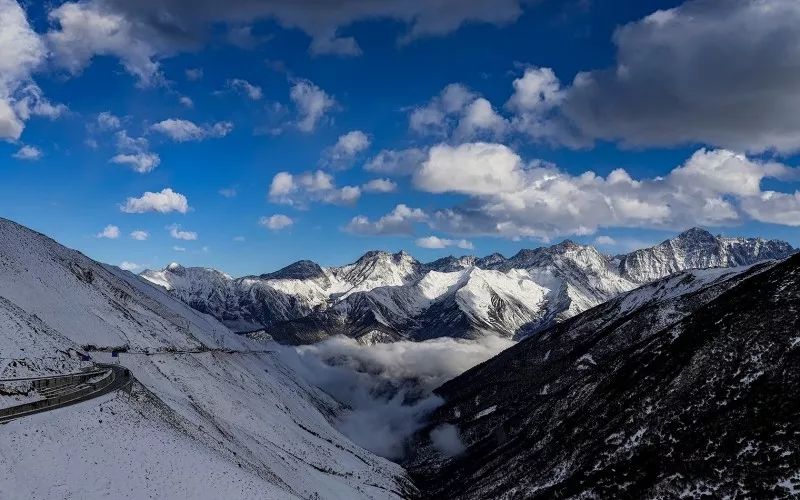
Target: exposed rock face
401, 298
679, 388
698, 249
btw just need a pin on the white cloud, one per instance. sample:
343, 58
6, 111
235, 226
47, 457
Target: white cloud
276, 222
380, 186
110, 232
712, 188
537, 95
21, 53
239, 239
163, 202
133, 151
246, 88
129, 266
434, 242
399, 221
774, 207
140, 235
30, 101
186, 101
28, 153
318, 186
108, 121
184, 130
472, 168
459, 112
85, 29
388, 387
138, 162
312, 104
179, 249
176, 232
396, 162
228, 192
347, 147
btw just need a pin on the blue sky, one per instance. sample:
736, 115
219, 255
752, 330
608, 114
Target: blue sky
480, 183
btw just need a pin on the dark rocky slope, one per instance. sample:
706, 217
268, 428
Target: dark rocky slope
660, 393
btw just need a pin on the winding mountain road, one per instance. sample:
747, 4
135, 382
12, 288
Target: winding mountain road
65, 390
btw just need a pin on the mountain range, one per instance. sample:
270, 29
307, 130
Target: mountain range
679, 389
387, 297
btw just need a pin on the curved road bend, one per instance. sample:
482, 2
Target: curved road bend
122, 378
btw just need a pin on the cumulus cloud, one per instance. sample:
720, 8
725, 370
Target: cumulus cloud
380, 186
471, 168
129, 266
134, 152
276, 222
186, 101
388, 387
22, 52
302, 189
396, 162
434, 242
180, 130
397, 222
460, 112
253, 92
83, 30
138, 162
108, 121
176, 232
110, 232
29, 153
228, 192
164, 201
179, 249
312, 104
514, 199
706, 72
346, 149
140, 235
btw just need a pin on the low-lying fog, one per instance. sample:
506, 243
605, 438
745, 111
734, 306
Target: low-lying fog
389, 387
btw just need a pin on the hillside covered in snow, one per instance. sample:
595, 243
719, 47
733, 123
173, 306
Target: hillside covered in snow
387, 297
212, 414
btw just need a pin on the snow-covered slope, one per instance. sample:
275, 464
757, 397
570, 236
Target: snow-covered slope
387, 297
213, 415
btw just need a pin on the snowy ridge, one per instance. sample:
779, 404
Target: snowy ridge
394, 296
206, 399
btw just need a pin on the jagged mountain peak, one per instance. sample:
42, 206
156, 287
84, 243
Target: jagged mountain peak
300, 270
694, 233
697, 248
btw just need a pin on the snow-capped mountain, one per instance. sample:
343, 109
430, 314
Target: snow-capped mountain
385, 297
212, 414
679, 389
698, 249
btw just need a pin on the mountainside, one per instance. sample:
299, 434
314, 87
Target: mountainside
386, 297
212, 415
698, 249
678, 389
